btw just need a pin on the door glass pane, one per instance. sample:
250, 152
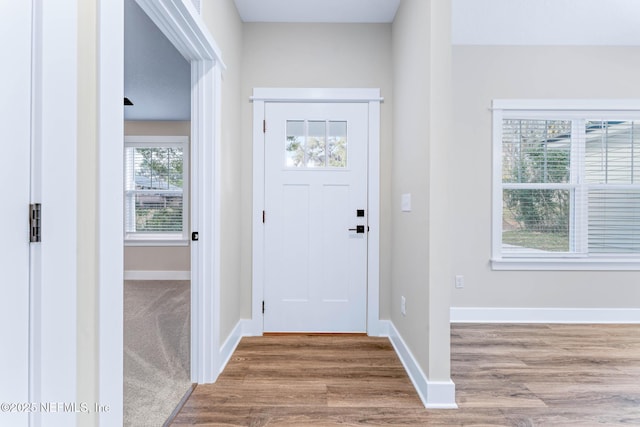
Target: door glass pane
294, 146
315, 149
316, 144
337, 149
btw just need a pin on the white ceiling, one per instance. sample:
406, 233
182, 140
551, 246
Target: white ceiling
339, 11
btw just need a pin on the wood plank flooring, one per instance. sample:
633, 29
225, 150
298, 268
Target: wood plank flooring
506, 375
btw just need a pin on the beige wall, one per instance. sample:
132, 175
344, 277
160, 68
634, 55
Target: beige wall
157, 258
223, 21
483, 73
421, 258
410, 175
317, 55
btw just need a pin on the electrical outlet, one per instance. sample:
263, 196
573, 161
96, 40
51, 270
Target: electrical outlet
459, 282
403, 306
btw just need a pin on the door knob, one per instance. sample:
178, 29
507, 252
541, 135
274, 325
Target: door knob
359, 229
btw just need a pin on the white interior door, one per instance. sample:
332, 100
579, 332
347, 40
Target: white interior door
316, 217
15, 110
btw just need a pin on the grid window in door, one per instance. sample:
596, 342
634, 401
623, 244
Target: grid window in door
316, 144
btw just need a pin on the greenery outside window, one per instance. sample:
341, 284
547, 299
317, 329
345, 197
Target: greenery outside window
156, 190
566, 185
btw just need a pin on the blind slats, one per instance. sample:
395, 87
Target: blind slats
154, 178
596, 160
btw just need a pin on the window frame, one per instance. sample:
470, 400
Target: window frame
628, 109
164, 238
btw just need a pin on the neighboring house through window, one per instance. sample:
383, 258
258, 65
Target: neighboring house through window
156, 190
566, 184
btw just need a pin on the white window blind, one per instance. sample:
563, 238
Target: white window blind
567, 184
156, 172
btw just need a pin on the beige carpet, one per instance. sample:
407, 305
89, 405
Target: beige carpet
156, 350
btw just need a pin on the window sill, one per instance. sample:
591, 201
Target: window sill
156, 242
565, 264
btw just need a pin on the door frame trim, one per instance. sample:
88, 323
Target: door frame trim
371, 96
185, 28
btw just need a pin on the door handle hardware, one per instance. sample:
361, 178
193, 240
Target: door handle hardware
359, 229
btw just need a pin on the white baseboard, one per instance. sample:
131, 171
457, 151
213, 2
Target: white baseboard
231, 343
434, 394
156, 275
544, 315
252, 328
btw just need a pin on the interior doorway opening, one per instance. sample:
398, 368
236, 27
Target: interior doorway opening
157, 264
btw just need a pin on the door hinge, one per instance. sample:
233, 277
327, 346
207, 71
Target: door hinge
264, 126
263, 216
35, 216
262, 307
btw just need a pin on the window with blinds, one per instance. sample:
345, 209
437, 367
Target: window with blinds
155, 188
567, 184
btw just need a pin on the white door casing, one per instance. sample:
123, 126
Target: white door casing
316, 258
184, 27
369, 97
15, 109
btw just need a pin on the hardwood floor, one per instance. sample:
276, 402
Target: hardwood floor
507, 375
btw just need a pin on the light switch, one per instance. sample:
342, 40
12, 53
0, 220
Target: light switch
405, 204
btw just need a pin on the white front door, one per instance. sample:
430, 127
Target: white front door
15, 110
316, 217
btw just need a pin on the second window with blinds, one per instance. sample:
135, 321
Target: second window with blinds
156, 201
566, 185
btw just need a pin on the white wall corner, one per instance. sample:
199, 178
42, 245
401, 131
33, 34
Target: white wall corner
434, 394
544, 315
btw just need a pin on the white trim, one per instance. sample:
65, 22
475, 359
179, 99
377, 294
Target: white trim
368, 95
544, 315
157, 275
564, 264
316, 95
54, 266
184, 27
566, 104
155, 140
135, 238
257, 324
374, 327
434, 394
110, 209
205, 219
145, 241
231, 343
576, 110
181, 23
